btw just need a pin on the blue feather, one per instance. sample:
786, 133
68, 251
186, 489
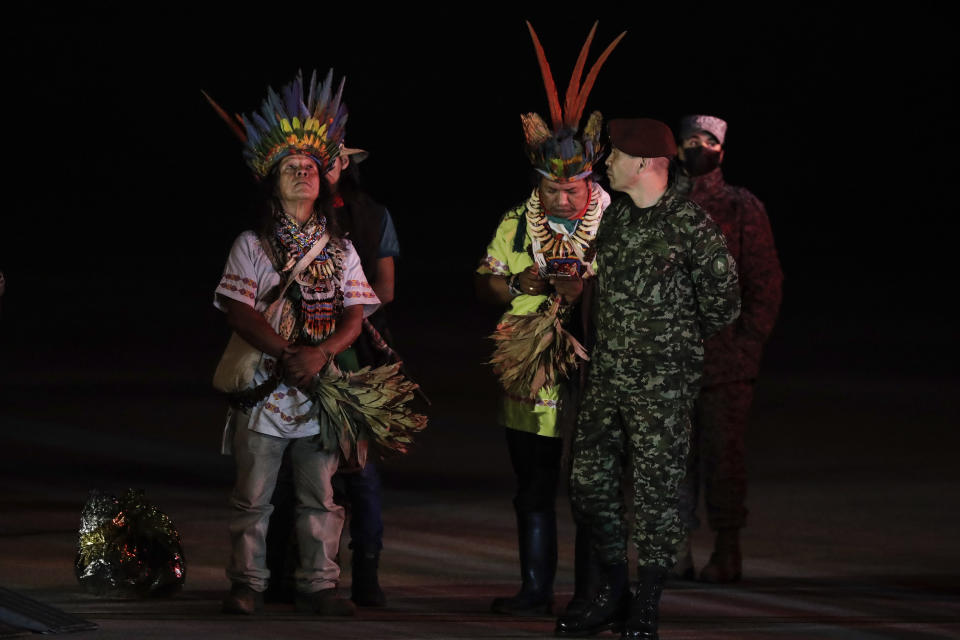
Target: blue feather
336, 100
324, 99
266, 111
253, 136
293, 94
264, 127
311, 98
270, 106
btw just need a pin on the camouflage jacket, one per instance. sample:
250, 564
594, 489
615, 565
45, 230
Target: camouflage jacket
665, 281
734, 353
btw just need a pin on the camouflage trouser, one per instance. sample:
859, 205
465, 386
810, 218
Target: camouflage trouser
648, 433
717, 456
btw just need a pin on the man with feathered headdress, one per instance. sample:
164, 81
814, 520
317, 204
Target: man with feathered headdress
535, 263
295, 294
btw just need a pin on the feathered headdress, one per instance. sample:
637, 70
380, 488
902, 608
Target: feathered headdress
290, 123
559, 153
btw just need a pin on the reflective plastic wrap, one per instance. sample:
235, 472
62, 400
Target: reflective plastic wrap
128, 547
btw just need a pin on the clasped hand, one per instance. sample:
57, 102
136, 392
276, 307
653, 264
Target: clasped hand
570, 289
530, 282
300, 363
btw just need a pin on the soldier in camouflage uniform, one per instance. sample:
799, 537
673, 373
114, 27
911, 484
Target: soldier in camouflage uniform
731, 357
665, 281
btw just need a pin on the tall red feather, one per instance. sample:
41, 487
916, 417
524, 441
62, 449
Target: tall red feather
591, 78
573, 89
552, 97
237, 131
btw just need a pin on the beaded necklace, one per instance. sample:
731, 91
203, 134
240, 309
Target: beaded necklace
549, 244
310, 306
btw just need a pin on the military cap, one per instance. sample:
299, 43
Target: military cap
709, 124
642, 137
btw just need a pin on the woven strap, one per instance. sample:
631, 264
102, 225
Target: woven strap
298, 268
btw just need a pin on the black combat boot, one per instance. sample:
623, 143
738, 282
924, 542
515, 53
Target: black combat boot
606, 611
725, 562
537, 535
586, 573
645, 608
365, 588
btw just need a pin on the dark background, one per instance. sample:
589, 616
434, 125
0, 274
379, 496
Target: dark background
124, 191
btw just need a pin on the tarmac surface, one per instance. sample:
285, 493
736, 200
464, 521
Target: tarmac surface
853, 497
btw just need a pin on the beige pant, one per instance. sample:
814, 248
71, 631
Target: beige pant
319, 520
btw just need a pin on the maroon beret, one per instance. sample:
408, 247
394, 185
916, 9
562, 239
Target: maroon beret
642, 137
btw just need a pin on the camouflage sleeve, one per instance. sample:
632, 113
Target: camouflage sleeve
714, 275
759, 270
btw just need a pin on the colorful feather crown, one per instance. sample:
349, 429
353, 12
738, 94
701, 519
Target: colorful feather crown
559, 153
290, 123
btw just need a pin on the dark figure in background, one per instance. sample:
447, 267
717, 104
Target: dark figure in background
370, 227
732, 356
665, 281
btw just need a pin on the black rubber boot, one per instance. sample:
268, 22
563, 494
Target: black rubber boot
586, 573
537, 536
606, 611
365, 588
645, 608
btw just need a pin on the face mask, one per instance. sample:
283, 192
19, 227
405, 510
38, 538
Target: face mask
700, 160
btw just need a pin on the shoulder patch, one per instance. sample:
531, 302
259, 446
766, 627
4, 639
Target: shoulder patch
719, 264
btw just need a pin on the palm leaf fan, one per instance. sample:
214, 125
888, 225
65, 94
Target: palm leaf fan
534, 351
369, 404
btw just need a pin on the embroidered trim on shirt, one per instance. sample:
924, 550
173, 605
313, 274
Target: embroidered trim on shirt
272, 408
539, 402
236, 278
495, 266
244, 292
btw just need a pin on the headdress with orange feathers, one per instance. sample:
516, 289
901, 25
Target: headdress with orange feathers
559, 153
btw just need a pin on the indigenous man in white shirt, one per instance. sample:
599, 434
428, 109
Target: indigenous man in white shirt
295, 292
